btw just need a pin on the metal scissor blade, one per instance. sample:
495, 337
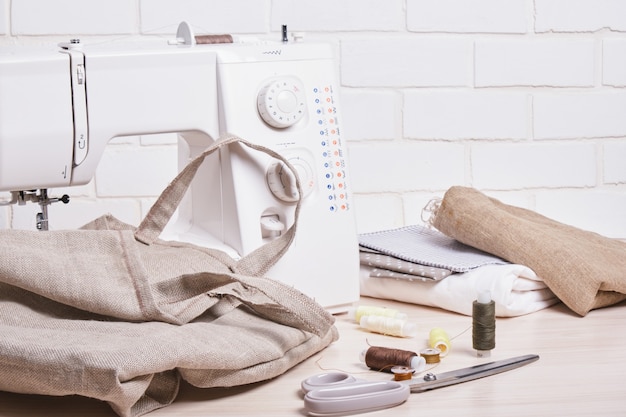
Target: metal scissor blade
473, 372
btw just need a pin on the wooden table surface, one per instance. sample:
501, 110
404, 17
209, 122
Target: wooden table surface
581, 372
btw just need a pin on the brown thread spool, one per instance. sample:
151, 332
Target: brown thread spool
384, 359
431, 355
212, 39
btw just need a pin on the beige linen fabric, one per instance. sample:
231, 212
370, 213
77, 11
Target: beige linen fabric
111, 312
584, 269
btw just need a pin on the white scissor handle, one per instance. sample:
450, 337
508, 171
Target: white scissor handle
326, 380
355, 397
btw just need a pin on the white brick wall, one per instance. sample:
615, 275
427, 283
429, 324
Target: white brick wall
389, 61
401, 167
614, 168
233, 16
580, 114
467, 16
466, 114
334, 16
614, 62
579, 15
505, 166
4, 16
73, 17
557, 62
376, 114
523, 99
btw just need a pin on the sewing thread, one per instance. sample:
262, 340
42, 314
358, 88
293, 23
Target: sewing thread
402, 373
213, 39
388, 326
431, 355
385, 359
439, 339
484, 324
360, 311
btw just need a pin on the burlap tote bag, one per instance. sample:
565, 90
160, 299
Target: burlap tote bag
584, 269
114, 313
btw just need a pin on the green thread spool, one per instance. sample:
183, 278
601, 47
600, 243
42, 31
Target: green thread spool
484, 324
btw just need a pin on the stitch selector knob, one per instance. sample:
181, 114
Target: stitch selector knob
282, 181
281, 102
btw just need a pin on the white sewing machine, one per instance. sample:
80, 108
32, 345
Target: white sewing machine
60, 107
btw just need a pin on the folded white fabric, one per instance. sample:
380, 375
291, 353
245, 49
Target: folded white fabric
516, 289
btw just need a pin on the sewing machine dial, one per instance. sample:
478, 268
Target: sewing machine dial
281, 102
282, 181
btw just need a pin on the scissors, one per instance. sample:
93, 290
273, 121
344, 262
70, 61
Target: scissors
338, 393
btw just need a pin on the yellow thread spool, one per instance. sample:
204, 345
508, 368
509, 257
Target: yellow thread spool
439, 339
360, 311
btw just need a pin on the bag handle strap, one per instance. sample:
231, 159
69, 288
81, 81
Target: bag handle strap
257, 262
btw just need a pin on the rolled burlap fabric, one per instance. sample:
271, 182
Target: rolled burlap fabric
584, 269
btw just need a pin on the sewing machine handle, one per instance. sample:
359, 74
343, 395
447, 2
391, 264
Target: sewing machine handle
255, 263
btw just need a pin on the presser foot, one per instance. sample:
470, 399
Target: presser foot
22, 197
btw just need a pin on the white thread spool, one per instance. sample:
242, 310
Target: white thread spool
357, 312
388, 326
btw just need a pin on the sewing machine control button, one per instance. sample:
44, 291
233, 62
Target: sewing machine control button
282, 181
271, 226
287, 101
281, 102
